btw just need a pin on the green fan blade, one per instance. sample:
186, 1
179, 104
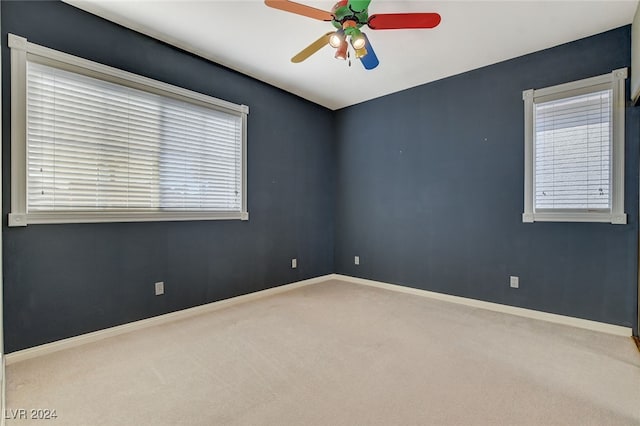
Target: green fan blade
359, 5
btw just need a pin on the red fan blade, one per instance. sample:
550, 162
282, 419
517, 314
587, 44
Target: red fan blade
300, 9
398, 21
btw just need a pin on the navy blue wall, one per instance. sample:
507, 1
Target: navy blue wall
64, 280
430, 192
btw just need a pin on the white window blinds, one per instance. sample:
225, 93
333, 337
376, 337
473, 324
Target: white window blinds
574, 146
93, 145
573, 152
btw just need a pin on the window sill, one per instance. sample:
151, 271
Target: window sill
17, 219
616, 219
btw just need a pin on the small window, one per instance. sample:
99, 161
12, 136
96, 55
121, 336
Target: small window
94, 144
574, 151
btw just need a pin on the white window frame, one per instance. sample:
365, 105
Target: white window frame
615, 81
23, 51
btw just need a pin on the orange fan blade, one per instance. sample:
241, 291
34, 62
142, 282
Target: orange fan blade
312, 48
300, 9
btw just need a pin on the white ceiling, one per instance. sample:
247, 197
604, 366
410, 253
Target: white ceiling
254, 39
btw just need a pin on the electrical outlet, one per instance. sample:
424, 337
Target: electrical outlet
514, 282
294, 263
159, 288
356, 260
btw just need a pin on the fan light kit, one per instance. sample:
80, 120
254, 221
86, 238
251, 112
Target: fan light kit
348, 16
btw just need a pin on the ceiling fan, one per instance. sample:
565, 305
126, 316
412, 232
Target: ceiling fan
348, 16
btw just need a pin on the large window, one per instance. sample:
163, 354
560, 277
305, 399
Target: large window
92, 144
574, 151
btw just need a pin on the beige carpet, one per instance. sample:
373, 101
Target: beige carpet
339, 354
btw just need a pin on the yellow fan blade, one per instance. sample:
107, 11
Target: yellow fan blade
312, 48
300, 9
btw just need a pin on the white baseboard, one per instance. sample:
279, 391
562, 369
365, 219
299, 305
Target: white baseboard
95, 336
513, 310
71, 342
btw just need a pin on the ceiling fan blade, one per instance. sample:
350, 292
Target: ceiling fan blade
312, 48
396, 21
300, 9
370, 60
359, 5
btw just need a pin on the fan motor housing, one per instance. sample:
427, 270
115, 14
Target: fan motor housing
343, 13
